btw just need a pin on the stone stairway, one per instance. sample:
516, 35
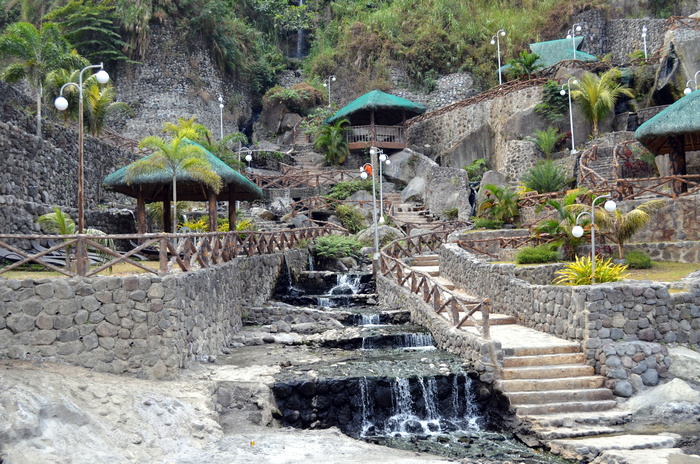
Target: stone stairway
559, 401
603, 165
408, 213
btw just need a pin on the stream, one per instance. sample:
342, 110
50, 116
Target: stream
382, 380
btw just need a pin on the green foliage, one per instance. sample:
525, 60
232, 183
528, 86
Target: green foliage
175, 157
525, 66
637, 259
331, 141
299, 98
637, 55
452, 213
314, 120
490, 224
546, 140
597, 95
538, 254
351, 218
619, 227
499, 204
476, 169
560, 226
554, 105
336, 246
580, 272
342, 190
92, 28
546, 177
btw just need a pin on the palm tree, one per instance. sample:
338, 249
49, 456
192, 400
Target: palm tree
36, 52
98, 104
526, 65
331, 140
597, 95
200, 133
619, 227
179, 156
560, 226
546, 140
500, 204
225, 148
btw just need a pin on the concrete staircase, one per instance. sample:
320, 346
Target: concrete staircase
560, 402
408, 213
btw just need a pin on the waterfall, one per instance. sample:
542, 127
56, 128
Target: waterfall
418, 340
367, 410
370, 319
311, 262
346, 284
429, 396
301, 36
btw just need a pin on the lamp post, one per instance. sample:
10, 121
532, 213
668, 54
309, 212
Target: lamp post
689, 89
221, 115
572, 35
577, 230
382, 159
496, 40
249, 158
62, 104
327, 83
644, 37
368, 170
563, 92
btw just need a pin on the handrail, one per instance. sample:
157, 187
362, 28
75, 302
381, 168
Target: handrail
629, 189
176, 252
455, 308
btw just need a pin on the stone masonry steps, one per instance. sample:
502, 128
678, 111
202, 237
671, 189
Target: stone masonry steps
547, 372
563, 383
558, 396
565, 406
588, 449
544, 360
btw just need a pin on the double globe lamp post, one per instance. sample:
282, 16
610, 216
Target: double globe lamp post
566, 88
496, 40
366, 171
62, 104
577, 230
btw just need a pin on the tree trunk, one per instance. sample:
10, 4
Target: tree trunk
38, 110
174, 220
677, 160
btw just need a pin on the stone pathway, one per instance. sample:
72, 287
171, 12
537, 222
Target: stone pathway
561, 403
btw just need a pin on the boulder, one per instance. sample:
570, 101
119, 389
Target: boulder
680, 57
414, 191
300, 221
407, 164
685, 364
281, 206
674, 391
445, 189
290, 121
386, 235
479, 143
262, 213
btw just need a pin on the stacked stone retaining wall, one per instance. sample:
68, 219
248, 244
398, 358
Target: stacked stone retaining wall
482, 355
596, 316
145, 325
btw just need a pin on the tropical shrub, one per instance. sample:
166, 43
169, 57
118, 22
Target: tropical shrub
560, 226
540, 254
299, 98
637, 259
351, 218
547, 140
499, 204
452, 213
597, 95
579, 272
330, 139
490, 224
546, 177
525, 66
343, 190
619, 227
476, 169
336, 246
554, 105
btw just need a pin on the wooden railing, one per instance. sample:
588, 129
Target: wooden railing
479, 246
677, 22
385, 134
458, 310
176, 252
629, 189
293, 177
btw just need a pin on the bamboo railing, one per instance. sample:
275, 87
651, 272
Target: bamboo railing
176, 252
458, 310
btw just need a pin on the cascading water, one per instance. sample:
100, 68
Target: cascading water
301, 38
369, 319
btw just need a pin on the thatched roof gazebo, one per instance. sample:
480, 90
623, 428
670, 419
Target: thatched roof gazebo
157, 186
377, 119
674, 131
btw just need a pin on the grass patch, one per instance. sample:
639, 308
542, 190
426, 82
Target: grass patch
119, 269
662, 271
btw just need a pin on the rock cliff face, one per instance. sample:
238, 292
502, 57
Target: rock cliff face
179, 79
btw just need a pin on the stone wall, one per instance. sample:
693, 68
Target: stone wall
178, 79
453, 139
679, 252
448, 89
145, 325
677, 220
482, 355
624, 36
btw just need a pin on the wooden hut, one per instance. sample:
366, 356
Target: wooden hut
377, 119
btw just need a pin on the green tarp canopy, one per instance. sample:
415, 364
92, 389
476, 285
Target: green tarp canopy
681, 119
389, 110
151, 185
554, 51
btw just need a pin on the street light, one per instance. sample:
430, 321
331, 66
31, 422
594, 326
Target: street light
221, 115
382, 159
62, 104
577, 230
644, 37
563, 92
366, 171
496, 40
688, 89
327, 83
571, 34
249, 158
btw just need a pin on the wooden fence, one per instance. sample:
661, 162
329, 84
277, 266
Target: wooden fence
175, 252
298, 178
459, 310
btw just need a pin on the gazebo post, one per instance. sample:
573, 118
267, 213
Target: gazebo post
676, 157
141, 227
231, 208
167, 214
212, 210
373, 130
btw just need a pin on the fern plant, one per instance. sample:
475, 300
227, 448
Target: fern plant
546, 177
546, 140
580, 272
